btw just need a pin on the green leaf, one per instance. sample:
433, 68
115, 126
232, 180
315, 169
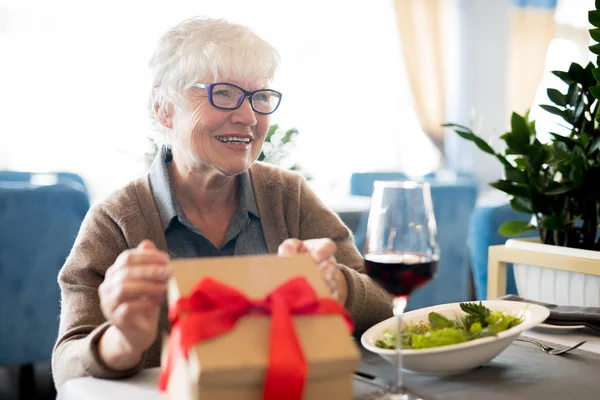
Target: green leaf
589, 75
272, 129
515, 143
514, 174
560, 189
557, 111
573, 94
594, 146
514, 228
483, 145
579, 109
584, 138
478, 310
595, 48
503, 160
521, 163
557, 97
519, 126
564, 76
554, 222
594, 17
576, 72
537, 155
465, 135
510, 188
522, 204
532, 127
469, 135
561, 150
595, 91
566, 140
454, 126
595, 34
289, 135
576, 169
578, 152
438, 321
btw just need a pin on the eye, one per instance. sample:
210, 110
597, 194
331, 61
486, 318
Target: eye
224, 93
261, 96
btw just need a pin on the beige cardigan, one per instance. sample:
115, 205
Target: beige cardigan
287, 209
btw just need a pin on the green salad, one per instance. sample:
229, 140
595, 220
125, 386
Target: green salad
478, 322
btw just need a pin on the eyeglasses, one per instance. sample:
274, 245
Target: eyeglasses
227, 96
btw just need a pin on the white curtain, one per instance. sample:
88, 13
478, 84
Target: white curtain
421, 27
532, 27
74, 84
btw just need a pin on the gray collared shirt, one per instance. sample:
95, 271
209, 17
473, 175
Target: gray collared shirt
244, 235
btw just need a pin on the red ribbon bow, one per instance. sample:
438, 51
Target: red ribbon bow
213, 308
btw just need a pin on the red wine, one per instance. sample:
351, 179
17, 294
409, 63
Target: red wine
401, 273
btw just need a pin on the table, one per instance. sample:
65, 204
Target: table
143, 386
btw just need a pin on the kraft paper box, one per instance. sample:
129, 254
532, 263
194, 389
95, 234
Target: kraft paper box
233, 365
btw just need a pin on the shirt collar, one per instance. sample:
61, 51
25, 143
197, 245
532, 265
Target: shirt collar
165, 199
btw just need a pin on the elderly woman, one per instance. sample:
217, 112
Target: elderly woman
205, 195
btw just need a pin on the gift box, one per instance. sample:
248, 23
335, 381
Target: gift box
256, 327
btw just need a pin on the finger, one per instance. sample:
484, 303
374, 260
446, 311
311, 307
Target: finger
141, 256
327, 269
146, 245
134, 314
134, 290
291, 246
321, 249
151, 272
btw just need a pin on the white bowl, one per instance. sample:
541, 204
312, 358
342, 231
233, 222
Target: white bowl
461, 357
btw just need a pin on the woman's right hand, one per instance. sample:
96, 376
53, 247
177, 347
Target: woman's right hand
130, 297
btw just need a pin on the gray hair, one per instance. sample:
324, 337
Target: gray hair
199, 49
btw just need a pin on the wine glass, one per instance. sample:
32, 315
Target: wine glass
401, 251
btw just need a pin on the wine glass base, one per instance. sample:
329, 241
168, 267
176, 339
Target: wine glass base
404, 395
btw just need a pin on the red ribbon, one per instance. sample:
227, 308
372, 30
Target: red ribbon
213, 308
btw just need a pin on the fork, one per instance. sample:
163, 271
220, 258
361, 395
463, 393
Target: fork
551, 350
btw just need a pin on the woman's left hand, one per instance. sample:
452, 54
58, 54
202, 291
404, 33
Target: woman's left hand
323, 252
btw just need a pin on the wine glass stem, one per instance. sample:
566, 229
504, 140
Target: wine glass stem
399, 306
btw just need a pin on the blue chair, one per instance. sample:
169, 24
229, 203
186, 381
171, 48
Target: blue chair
38, 225
453, 203
483, 233
361, 183
34, 178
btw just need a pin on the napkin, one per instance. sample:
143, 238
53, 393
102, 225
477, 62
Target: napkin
566, 315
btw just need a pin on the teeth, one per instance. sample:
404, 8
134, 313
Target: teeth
233, 139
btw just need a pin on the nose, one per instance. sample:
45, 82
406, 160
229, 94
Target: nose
244, 114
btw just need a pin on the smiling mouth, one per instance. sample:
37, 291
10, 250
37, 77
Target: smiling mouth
233, 139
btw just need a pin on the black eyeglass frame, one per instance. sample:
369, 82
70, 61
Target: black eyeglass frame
250, 95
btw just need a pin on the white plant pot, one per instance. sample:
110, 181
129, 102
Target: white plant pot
555, 286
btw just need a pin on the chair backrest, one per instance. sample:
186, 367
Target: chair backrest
361, 183
453, 203
38, 225
43, 178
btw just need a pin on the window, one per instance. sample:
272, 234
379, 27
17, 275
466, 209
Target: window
570, 45
75, 86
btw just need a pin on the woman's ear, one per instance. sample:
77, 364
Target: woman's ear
164, 114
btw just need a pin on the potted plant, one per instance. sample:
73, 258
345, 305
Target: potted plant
557, 182
278, 147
